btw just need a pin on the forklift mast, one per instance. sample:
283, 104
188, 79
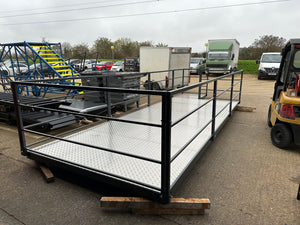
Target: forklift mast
288, 73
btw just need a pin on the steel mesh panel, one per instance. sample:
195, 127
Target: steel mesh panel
131, 168
185, 158
116, 136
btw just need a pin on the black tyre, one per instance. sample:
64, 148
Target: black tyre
281, 135
269, 116
298, 195
259, 76
155, 86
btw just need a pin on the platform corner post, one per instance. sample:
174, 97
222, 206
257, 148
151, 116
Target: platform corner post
214, 107
19, 120
241, 84
231, 94
149, 88
166, 147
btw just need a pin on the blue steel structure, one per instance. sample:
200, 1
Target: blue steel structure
35, 61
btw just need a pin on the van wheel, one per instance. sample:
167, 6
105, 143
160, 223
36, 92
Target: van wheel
269, 116
259, 77
281, 135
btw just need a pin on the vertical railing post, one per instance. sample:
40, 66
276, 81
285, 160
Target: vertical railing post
166, 147
214, 106
183, 77
108, 94
19, 120
231, 94
173, 78
241, 82
206, 90
149, 87
200, 87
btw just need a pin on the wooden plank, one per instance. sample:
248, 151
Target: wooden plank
169, 211
48, 175
85, 121
145, 206
244, 108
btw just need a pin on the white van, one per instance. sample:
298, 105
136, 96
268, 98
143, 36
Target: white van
269, 64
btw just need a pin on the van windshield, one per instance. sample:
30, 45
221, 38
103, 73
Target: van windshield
297, 60
218, 55
271, 58
195, 60
119, 63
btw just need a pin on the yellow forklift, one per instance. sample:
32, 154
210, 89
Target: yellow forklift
284, 111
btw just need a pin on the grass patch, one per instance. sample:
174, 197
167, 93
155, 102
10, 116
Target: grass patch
249, 66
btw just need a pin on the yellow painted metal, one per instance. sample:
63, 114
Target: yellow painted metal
66, 70
53, 62
283, 100
47, 54
52, 58
65, 65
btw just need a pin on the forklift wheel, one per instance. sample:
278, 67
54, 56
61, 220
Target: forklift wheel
281, 135
269, 116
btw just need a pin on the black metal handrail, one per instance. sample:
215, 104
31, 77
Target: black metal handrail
165, 125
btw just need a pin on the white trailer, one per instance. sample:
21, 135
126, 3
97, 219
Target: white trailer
165, 58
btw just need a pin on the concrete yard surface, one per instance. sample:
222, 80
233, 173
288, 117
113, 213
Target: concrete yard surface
246, 178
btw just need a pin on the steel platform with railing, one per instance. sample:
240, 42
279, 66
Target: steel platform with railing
147, 150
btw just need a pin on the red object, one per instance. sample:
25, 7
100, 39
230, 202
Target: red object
297, 84
297, 46
167, 82
104, 65
287, 111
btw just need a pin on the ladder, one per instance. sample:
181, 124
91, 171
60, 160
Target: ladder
42, 61
54, 60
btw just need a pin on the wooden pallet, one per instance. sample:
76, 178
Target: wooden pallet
244, 108
178, 206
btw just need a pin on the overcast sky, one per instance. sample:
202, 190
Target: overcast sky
178, 23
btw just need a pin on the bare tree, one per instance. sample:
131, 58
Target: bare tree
267, 43
80, 51
161, 45
102, 46
67, 50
